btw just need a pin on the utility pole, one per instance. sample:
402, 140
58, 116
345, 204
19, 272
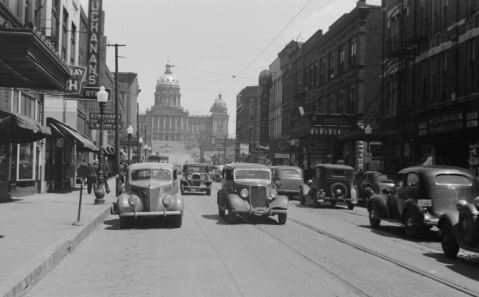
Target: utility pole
117, 113
138, 146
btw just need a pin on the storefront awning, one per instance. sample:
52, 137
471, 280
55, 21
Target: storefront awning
61, 130
26, 61
17, 128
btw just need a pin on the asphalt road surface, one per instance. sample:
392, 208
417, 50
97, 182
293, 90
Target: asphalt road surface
318, 252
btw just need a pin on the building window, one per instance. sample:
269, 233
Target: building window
55, 23
342, 58
64, 35
340, 102
330, 104
331, 65
351, 100
26, 161
443, 74
470, 66
322, 71
315, 73
73, 44
352, 54
37, 14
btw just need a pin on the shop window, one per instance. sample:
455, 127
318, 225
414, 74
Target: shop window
25, 161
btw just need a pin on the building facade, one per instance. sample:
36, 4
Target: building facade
248, 111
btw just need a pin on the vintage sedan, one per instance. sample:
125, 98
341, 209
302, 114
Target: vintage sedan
288, 180
151, 190
331, 183
459, 223
196, 178
373, 183
248, 189
420, 196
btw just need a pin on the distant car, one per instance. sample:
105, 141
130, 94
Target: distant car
288, 180
373, 182
420, 196
331, 183
249, 189
151, 190
459, 222
196, 178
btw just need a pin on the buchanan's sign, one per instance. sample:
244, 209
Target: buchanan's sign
94, 41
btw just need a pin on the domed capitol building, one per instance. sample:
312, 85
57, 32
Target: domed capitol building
172, 130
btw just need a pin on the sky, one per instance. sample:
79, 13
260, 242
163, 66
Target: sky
215, 46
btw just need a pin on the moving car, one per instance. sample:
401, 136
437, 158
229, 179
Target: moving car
331, 183
249, 189
373, 183
151, 190
420, 196
196, 177
288, 180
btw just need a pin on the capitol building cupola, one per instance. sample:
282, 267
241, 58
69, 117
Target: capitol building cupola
168, 89
219, 106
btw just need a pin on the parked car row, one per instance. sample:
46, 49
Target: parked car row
419, 197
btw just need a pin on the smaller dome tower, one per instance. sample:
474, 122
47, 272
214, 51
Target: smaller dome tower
219, 106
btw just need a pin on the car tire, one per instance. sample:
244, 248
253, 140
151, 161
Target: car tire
350, 206
333, 203
302, 200
282, 217
126, 222
221, 213
467, 225
177, 221
448, 241
232, 217
411, 230
373, 221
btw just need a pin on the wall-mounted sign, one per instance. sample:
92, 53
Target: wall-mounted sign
94, 41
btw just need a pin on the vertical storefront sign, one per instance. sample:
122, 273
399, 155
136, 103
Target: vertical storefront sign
95, 34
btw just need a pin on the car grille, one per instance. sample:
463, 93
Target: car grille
196, 180
258, 196
150, 197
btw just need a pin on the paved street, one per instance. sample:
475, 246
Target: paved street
319, 252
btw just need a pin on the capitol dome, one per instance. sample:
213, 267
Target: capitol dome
168, 79
219, 105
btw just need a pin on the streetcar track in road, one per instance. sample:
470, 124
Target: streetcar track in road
406, 266
337, 277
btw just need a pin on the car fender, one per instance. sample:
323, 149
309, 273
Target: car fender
122, 202
448, 218
304, 188
354, 194
416, 211
280, 202
236, 202
379, 201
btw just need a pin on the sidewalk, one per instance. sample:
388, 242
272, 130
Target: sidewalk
36, 232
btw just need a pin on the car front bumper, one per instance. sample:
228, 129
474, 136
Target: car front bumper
345, 200
260, 211
151, 213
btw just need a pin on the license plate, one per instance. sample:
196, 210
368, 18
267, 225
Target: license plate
424, 202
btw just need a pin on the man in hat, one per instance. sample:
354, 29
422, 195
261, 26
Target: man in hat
92, 176
106, 170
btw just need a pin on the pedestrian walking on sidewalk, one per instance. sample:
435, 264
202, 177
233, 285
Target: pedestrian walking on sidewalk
92, 177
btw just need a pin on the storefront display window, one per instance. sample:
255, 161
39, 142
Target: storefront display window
26, 161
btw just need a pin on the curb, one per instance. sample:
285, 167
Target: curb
49, 259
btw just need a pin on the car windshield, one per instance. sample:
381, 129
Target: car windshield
154, 174
290, 172
252, 174
338, 172
452, 179
192, 169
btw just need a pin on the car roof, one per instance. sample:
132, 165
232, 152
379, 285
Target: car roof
434, 169
196, 164
334, 166
151, 165
286, 167
246, 166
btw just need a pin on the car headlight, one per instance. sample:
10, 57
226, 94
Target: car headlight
338, 192
133, 200
188, 177
273, 194
244, 193
167, 199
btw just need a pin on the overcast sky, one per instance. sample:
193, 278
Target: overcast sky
209, 42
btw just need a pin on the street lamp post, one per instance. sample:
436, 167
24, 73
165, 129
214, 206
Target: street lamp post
368, 130
249, 146
140, 142
146, 154
102, 98
129, 130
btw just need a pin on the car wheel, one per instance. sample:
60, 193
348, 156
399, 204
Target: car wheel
302, 200
282, 217
466, 223
232, 217
350, 206
221, 213
448, 241
373, 212
411, 230
177, 221
125, 222
333, 203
